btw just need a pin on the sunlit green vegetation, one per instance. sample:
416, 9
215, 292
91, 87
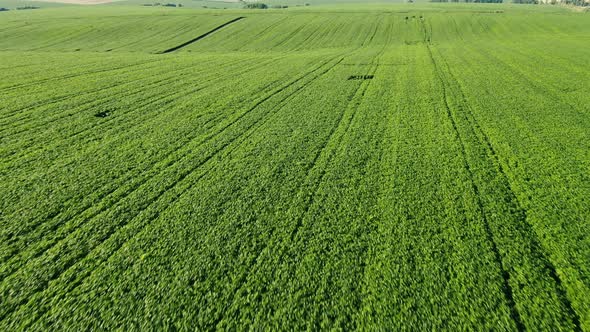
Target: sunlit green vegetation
346, 167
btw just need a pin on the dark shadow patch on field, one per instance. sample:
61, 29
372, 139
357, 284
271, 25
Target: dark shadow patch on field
102, 114
379, 65
176, 48
360, 77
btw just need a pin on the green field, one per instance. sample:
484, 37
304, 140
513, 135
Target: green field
355, 166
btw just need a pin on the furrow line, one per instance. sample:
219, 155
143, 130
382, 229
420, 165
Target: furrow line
365, 42
25, 151
18, 86
181, 149
240, 138
538, 87
218, 132
242, 279
289, 36
184, 150
354, 103
127, 93
220, 115
105, 124
536, 245
77, 93
508, 292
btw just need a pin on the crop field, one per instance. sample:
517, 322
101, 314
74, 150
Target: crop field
373, 167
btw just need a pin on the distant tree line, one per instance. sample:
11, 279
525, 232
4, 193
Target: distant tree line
554, 2
256, 5
575, 2
469, 1
260, 5
162, 4
526, 2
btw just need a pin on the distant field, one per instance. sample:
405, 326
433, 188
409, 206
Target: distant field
397, 167
79, 2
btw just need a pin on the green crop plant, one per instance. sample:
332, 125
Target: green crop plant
342, 166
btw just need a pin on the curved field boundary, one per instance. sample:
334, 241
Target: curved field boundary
176, 48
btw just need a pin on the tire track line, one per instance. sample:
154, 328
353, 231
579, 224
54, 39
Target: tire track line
82, 32
74, 75
538, 87
20, 154
243, 277
156, 119
240, 138
54, 100
507, 289
291, 35
354, 102
370, 39
157, 34
536, 245
180, 148
311, 36
126, 93
265, 30
217, 133
105, 124
27, 112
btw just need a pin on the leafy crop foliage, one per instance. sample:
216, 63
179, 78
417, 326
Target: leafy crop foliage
245, 181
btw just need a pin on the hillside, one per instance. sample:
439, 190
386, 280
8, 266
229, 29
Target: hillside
380, 166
